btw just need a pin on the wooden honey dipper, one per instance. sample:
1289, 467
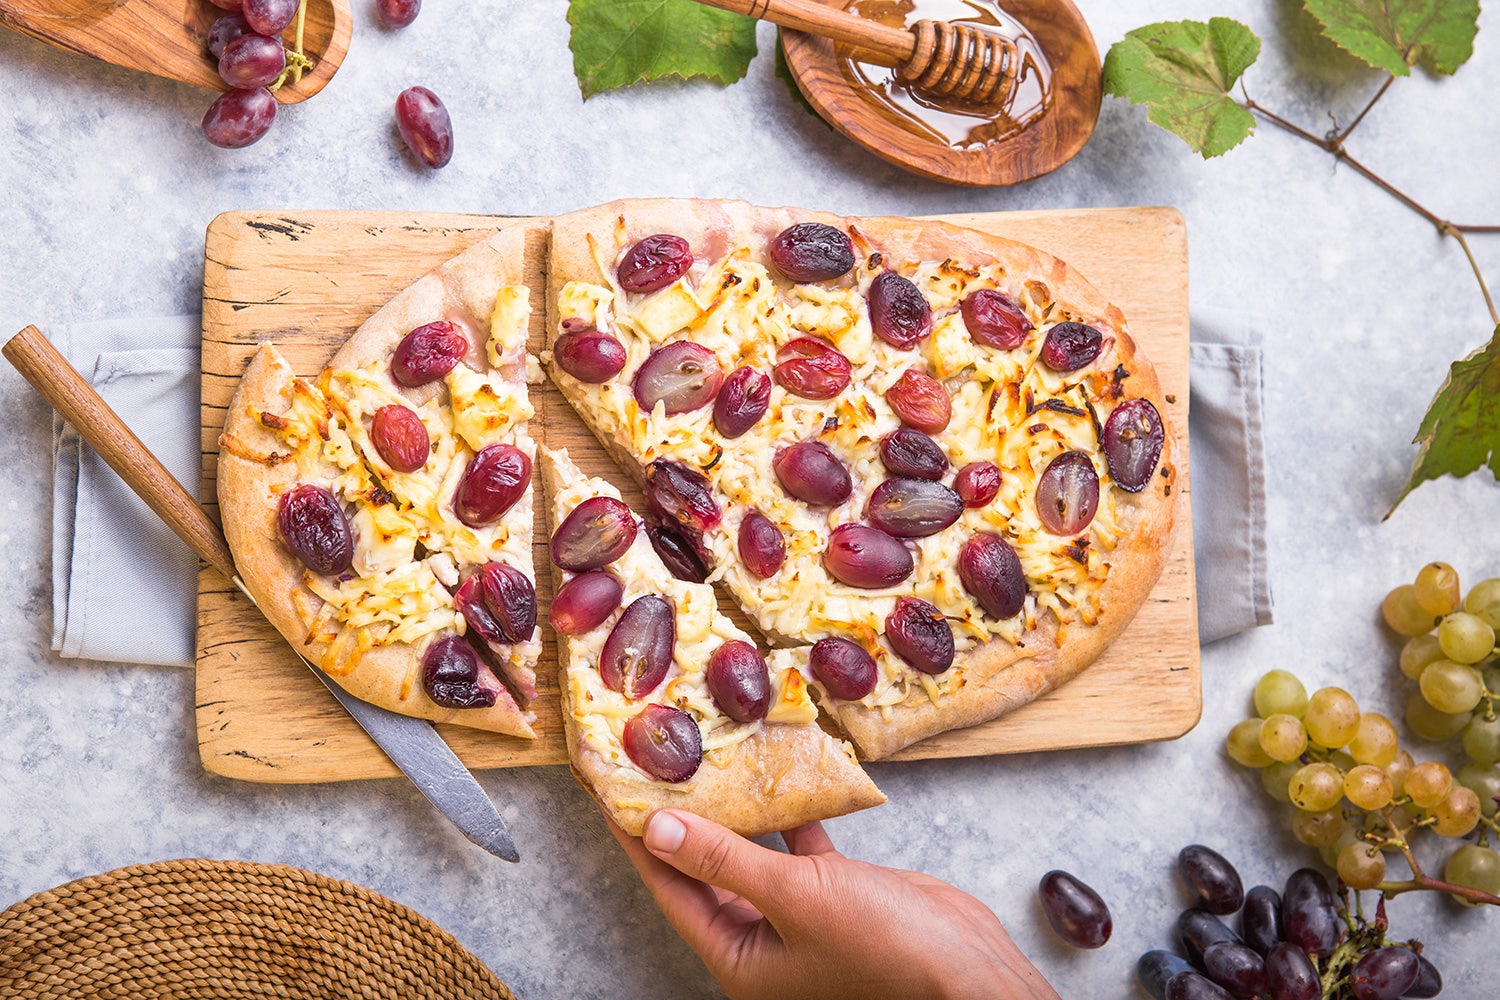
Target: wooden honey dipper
955, 61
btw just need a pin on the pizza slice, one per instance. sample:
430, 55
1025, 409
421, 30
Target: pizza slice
665, 701
931, 458
381, 514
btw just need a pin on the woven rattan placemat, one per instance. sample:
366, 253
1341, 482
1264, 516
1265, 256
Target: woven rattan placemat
227, 930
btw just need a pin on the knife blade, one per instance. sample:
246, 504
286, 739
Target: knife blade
412, 744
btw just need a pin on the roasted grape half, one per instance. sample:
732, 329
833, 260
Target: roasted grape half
739, 682
1070, 346
639, 648
994, 319
1067, 494
906, 451
812, 251
913, 508
676, 553
497, 477
1075, 911
511, 598
899, 312
1133, 439
920, 401
866, 558
584, 602
680, 495
314, 526
654, 262
450, 675
400, 437
682, 376
428, 353
596, 533
844, 668
664, 742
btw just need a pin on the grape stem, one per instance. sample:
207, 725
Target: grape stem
1333, 144
296, 58
1420, 879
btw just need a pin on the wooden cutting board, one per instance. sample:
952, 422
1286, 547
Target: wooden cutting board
306, 280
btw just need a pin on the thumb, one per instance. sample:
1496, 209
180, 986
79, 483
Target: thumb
708, 852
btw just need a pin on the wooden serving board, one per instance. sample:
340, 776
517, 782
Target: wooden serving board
306, 280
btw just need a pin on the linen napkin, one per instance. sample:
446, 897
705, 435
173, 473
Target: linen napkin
124, 587
1228, 474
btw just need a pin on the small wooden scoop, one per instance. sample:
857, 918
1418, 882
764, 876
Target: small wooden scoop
169, 38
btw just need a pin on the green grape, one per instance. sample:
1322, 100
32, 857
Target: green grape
1397, 770
1466, 638
1368, 787
1451, 687
1342, 761
1317, 829
1361, 866
1279, 692
1482, 739
1316, 787
1429, 783
1457, 814
1430, 724
1243, 744
1484, 782
1419, 651
1476, 867
1277, 778
1282, 737
1436, 589
1375, 740
1484, 601
1330, 852
1331, 717
1490, 673
1402, 613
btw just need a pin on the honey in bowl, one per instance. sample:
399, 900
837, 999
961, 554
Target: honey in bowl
957, 124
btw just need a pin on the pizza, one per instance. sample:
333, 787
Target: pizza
665, 702
929, 461
381, 514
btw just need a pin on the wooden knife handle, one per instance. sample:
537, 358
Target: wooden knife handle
895, 45
70, 394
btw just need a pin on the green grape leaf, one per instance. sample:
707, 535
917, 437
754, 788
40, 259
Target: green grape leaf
1461, 431
619, 42
1393, 35
1182, 71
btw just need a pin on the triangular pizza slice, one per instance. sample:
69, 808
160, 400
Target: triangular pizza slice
381, 514
932, 457
665, 701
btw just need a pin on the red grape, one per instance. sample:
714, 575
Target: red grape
811, 368
1155, 968
1070, 346
913, 508
425, 126
428, 353
1307, 912
588, 355
761, 547
227, 4
677, 494
991, 571
596, 533
239, 118
742, 401
1067, 494
225, 30
654, 262
498, 476
977, 483
1291, 975
1260, 918
314, 526
866, 558
584, 602
450, 675
1197, 929
677, 553
682, 376
994, 319
1211, 879
1133, 439
1074, 910
398, 13
920, 401
810, 472
639, 649
739, 681
469, 599
906, 451
269, 17
1192, 986
844, 668
511, 599
812, 251
400, 437
1236, 967
1384, 974
252, 61
920, 635
899, 312
664, 742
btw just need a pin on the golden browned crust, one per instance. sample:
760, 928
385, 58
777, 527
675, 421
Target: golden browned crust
780, 778
997, 676
250, 484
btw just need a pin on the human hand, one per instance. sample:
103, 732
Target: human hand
815, 924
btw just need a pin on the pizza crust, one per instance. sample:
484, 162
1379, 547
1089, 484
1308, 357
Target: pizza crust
997, 676
779, 778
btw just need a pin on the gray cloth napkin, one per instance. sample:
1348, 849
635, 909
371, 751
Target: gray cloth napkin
1228, 475
124, 587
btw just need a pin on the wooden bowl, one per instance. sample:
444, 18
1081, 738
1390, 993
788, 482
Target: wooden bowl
825, 72
169, 38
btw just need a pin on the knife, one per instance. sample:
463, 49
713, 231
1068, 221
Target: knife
412, 744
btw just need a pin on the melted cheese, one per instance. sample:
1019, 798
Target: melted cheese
510, 321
